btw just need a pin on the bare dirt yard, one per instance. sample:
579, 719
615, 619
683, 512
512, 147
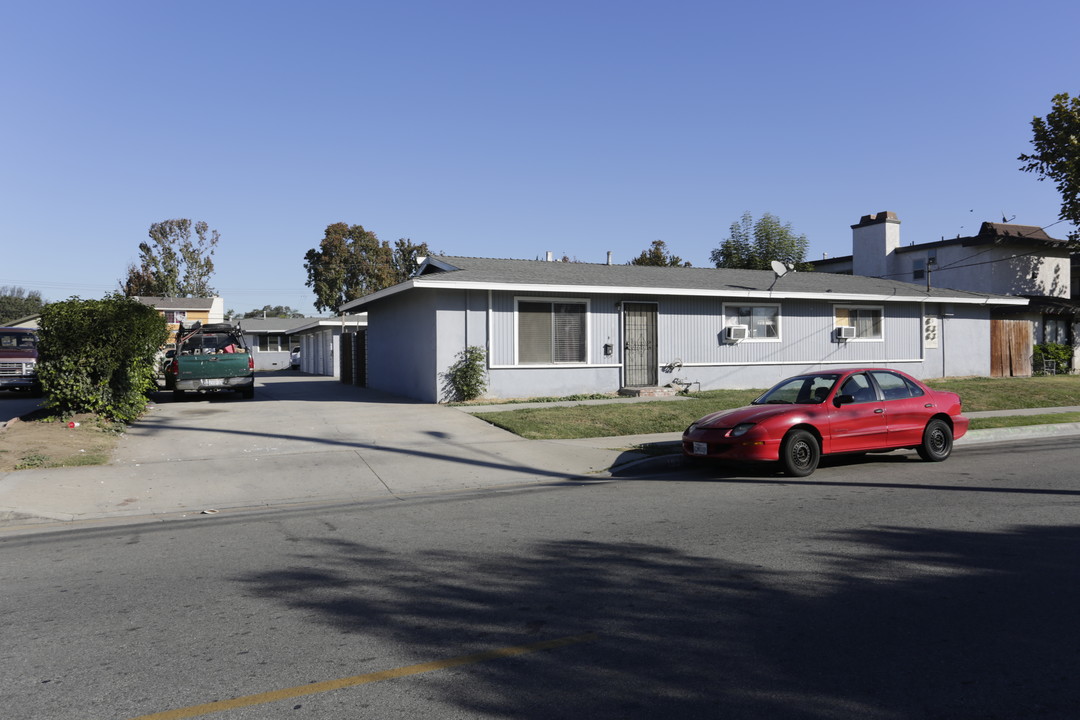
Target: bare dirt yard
39, 440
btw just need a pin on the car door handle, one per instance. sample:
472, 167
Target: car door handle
928, 405
879, 411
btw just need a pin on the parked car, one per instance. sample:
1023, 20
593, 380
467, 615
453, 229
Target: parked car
841, 411
294, 358
18, 360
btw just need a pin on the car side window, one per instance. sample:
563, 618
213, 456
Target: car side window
896, 387
858, 386
893, 387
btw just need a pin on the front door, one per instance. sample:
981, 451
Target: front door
640, 367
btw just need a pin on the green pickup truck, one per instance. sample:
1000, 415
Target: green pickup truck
210, 358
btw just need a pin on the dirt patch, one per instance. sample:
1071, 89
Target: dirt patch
39, 440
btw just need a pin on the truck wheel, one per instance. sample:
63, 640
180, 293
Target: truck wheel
178, 395
36, 390
247, 393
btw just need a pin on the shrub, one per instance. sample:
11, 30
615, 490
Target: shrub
97, 356
1056, 352
467, 378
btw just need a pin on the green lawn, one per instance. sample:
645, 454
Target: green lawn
640, 418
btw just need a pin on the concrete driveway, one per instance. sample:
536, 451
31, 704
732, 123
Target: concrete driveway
302, 439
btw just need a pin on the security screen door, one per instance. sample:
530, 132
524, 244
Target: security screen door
639, 356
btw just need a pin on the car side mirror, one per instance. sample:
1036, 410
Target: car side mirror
843, 400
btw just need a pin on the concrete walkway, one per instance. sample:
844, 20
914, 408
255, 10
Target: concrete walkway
308, 440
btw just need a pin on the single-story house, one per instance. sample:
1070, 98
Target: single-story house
269, 339
29, 322
319, 341
563, 328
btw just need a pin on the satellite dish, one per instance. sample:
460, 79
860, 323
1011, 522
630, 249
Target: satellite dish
779, 268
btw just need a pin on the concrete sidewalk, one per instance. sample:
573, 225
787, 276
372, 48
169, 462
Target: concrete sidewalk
307, 440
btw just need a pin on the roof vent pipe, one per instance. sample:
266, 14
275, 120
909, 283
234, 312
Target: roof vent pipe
608, 257
550, 257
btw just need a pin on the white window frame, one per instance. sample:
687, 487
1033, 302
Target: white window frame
750, 326
880, 309
561, 300
265, 339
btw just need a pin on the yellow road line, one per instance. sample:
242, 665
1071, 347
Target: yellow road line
327, 686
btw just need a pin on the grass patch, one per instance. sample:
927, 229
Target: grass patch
1021, 420
1013, 393
634, 418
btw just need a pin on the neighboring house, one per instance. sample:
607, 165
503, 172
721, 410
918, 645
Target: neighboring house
319, 340
186, 310
554, 328
30, 321
1002, 259
269, 339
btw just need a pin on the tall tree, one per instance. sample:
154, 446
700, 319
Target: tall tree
272, 311
658, 255
1057, 156
17, 302
351, 262
172, 264
753, 245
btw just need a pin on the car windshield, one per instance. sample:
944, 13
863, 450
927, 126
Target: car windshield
18, 341
801, 390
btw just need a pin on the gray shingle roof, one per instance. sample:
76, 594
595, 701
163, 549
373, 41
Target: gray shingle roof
490, 271
175, 303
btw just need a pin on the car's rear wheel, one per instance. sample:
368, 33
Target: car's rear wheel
937, 441
799, 453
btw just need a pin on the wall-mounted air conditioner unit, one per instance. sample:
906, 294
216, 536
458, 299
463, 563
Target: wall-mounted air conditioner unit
735, 333
845, 332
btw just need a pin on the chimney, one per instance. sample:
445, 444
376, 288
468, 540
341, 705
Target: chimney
550, 256
873, 241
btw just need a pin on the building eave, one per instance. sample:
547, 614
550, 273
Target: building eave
421, 283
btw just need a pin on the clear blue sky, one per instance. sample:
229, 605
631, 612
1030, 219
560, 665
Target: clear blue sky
508, 129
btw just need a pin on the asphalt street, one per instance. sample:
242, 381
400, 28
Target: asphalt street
881, 588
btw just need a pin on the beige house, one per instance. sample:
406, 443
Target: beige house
186, 310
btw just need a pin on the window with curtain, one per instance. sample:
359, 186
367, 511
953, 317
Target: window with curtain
551, 332
865, 320
763, 321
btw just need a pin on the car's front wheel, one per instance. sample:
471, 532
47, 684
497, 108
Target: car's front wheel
937, 441
799, 453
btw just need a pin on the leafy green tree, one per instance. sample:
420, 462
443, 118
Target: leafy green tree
172, 264
17, 302
275, 311
351, 262
658, 255
753, 245
97, 356
1057, 156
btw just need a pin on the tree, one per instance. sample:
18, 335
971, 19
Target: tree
171, 264
658, 255
275, 311
17, 302
98, 356
352, 262
754, 245
1057, 156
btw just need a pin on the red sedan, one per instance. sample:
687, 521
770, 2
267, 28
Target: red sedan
840, 411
